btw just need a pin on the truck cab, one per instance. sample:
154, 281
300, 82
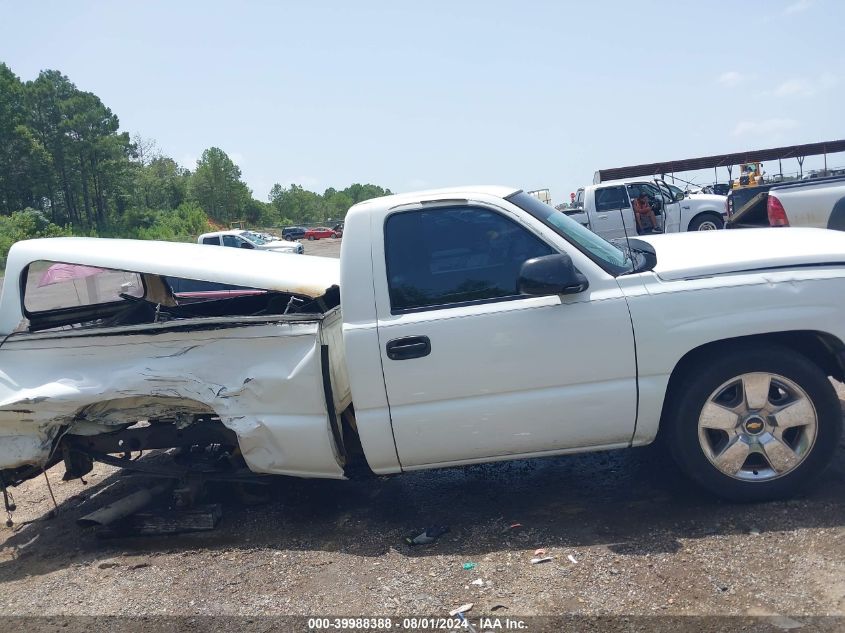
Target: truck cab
607, 208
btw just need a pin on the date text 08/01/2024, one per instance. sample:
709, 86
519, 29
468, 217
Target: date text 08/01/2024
416, 624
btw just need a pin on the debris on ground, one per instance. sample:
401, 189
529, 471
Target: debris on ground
544, 559
539, 552
461, 609
572, 558
428, 535
477, 582
469, 566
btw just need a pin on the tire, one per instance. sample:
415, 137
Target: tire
310, 238
334, 236
766, 456
836, 221
707, 222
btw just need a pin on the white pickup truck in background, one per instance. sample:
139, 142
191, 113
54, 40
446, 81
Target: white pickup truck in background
607, 208
239, 238
817, 203
460, 326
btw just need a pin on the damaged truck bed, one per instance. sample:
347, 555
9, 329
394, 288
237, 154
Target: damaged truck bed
99, 342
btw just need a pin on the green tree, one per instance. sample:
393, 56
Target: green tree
297, 204
25, 225
217, 187
160, 184
358, 192
88, 165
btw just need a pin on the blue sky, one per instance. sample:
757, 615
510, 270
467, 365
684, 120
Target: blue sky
428, 94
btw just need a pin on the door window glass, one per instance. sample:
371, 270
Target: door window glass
611, 198
214, 241
649, 189
232, 240
441, 257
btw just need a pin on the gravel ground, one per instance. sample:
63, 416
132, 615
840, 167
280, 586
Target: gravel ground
641, 539
323, 248
626, 532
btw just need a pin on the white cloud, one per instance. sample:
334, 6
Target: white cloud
730, 79
794, 87
805, 87
798, 7
764, 127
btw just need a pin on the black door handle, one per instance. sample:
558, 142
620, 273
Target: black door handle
408, 347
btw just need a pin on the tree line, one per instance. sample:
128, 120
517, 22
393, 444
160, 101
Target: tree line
66, 168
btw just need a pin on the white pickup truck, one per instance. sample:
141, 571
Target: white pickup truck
607, 208
237, 238
459, 326
818, 203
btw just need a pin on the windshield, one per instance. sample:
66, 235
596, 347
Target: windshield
605, 254
253, 237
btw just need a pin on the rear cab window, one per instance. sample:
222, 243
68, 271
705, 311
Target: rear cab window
58, 286
61, 294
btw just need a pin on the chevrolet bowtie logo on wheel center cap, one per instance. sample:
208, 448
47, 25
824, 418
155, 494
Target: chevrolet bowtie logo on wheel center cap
754, 425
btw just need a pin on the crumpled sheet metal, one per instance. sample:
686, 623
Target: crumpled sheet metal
264, 381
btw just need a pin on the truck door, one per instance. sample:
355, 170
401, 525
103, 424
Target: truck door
611, 206
472, 369
671, 208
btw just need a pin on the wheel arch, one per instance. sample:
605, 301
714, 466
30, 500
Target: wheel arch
822, 349
704, 212
836, 221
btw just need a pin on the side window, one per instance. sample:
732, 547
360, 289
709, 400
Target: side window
635, 190
648, 189
579, 199
232, 240
611, 198
439, 257
56, 286
214, 241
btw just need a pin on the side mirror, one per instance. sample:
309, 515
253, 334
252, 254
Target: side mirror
550, 275
679, 197
647, 251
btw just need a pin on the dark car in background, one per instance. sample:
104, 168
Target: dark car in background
293, 232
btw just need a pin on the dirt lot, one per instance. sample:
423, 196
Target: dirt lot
322, 248
626, 532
